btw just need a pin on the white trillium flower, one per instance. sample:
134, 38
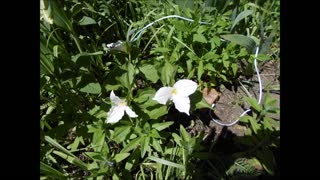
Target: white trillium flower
117, 110
179, 94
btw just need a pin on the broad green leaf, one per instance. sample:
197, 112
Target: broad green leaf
156, 111
242, 40
72, 160
60, 18
184, 134
92, 88
150, 72
255, 126
86, 21
49, 171
98, 112
126, 79
263, 57
121, 156
143, 95
144, 145
167, 74
120, 133
199, 38
177, 138
165, 162
241, 16
162, 126
156, 145
253, 103
131, 145
161, 49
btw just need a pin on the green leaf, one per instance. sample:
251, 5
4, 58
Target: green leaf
199, 38
161, 49
76, 57
58, 146
72, 160
126, 79
92, 88
143, 95
49, 171
150, 73
162, 126
253, 103
267, 160
242, 40
255, 126
131, 145
263, 57
200, 70
241, 16
156, 111
177, 138
75, 144
60, 18
121, 156
165, 162
156, 145
184, 134
86, 21
120, 133
167, 74
144, 145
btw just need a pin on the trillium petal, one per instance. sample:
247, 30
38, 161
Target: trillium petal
182, 104
115, 114
130, 112
163, 95
115, 99
185, 87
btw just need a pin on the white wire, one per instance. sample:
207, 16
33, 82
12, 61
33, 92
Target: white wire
248, 110
138, 34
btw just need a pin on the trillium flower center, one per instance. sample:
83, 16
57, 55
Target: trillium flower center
123, 103
174, 91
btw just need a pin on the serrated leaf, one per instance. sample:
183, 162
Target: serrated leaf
162, 126
241, 16
255, 126
150, 72
121, 156
253, 103
92, 88
242, 40
199, 38
86, 21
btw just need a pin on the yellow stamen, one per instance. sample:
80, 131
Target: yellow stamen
174, 92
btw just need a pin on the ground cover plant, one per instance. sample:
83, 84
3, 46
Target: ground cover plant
120, 101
